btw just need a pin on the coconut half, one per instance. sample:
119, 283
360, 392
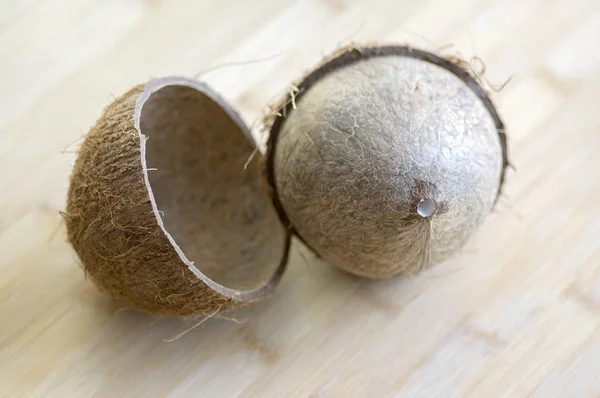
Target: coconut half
168, 208
385, 160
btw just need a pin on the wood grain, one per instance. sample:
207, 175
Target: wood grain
516, 314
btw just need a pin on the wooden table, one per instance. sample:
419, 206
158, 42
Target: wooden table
517, 313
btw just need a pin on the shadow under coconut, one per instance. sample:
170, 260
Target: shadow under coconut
316, 308
309, 294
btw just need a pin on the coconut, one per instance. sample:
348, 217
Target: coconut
168, 208
385, 160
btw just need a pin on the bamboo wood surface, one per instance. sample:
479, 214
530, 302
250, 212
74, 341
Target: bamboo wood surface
516, 314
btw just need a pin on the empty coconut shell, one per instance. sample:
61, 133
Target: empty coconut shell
165, 208
384, 160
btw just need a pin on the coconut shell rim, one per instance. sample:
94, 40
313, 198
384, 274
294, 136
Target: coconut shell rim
347, 56
154, 85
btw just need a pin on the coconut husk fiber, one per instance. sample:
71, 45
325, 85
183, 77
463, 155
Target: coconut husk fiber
384, 160
166, 211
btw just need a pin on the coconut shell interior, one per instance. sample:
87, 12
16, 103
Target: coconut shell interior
208, 193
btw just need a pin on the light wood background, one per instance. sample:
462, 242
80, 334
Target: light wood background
516, 314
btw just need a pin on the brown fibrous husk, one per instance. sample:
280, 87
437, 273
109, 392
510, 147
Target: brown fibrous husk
166, 211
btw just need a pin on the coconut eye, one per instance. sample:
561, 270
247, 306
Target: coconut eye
426, 208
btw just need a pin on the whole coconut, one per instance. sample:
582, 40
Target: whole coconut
168, 208
386, 159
